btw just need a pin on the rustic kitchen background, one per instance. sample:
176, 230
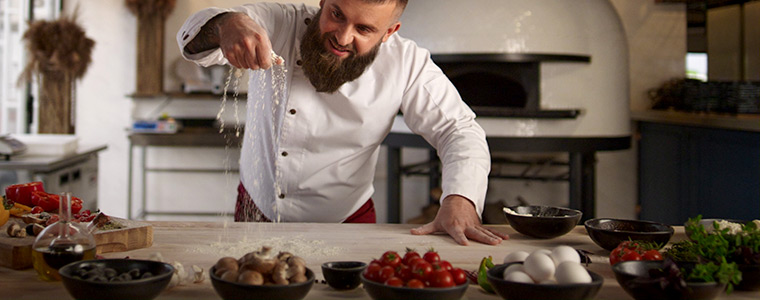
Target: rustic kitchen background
201, 180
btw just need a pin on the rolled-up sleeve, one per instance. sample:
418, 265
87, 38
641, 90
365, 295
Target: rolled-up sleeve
433, 108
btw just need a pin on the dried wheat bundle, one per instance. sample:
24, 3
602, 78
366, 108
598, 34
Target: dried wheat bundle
150, 7
57, 48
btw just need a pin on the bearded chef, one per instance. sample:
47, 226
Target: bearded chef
309, 152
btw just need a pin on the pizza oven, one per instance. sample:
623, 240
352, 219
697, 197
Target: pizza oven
530, 68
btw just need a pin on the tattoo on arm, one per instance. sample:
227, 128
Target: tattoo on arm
207, 38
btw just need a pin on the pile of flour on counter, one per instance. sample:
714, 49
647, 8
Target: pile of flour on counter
297, 245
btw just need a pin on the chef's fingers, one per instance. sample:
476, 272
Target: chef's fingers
503, 236
424, 229
482, 235
232, 58
264, 57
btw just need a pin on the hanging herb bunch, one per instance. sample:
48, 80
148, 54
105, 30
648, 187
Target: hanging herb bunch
149, 7
59, 53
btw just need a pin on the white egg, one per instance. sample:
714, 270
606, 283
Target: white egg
516, 256
563, 253
518, 276
513, 268
539, 266
572, 272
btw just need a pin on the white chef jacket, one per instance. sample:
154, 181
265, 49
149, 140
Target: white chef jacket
310, 156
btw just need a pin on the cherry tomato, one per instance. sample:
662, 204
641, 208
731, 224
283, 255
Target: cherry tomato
415, 283
372, 271
384, 273
421, 270
651, 255
431, 256
404, 272
414, 261
22, 193
409, 255
460, 277
394, 281
440, 278
37, 209
76, 205
390, 258
445, 265
630, 255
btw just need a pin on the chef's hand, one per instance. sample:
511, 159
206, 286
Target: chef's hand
458, 217
243, 42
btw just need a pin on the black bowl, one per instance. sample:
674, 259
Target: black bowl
518, 290
380, 291
343, 275
543, 222
609, 233
238, 291
634, 277
750, 277
146, 288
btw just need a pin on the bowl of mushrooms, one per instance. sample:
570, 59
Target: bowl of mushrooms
262, 274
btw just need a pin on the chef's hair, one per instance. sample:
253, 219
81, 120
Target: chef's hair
400, 5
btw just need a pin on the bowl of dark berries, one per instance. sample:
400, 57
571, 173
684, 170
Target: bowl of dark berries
116, 278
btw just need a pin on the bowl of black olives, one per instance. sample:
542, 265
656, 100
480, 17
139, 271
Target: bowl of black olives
116, 278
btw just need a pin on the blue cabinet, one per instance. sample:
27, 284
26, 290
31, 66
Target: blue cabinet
688, 170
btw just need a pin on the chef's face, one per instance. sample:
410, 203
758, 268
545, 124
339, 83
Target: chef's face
344, 39
355, 27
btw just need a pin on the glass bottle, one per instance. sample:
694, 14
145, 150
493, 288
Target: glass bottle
61, 243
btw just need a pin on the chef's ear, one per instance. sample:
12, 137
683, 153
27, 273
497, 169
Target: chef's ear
391, 30
321, 3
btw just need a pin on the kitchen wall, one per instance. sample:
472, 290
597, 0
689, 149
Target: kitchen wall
657, 46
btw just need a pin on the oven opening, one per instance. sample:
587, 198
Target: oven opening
486, 89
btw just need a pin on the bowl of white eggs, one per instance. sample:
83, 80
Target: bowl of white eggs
544, 274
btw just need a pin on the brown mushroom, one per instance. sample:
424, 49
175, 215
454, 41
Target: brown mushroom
251, 277
230, 275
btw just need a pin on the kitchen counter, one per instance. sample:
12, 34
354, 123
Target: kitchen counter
202, 243
743, 122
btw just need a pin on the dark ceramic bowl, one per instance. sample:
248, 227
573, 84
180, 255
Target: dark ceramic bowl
146, 288
634, 277
543, 222
238, 291
343, 275
750, 278
609, 233
379, 291
517, 290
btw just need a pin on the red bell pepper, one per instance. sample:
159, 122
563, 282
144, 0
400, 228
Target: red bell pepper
22, 193
51, 202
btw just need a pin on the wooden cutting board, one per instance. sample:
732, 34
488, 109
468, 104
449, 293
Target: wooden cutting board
16, 253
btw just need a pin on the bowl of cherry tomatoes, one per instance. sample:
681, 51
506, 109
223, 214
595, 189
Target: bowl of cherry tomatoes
609, 233
413, 276
635, 250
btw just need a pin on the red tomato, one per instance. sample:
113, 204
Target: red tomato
394, 281
445, 265
372, 271
76, 205
415, 283
37, 209
440, 278
629, 254
460, 277
384, 273
431, 256
404, 272
409, 255
421, 270
414, 261
49, 202
651, 255
390, 258
22, 193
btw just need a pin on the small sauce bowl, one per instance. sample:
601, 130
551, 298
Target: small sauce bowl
343, 275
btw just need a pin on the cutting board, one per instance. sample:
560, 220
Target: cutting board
16, 253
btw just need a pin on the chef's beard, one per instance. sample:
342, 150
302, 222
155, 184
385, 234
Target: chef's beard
326, 71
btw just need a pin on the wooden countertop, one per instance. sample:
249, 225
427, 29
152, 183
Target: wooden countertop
743, 122
202, 243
